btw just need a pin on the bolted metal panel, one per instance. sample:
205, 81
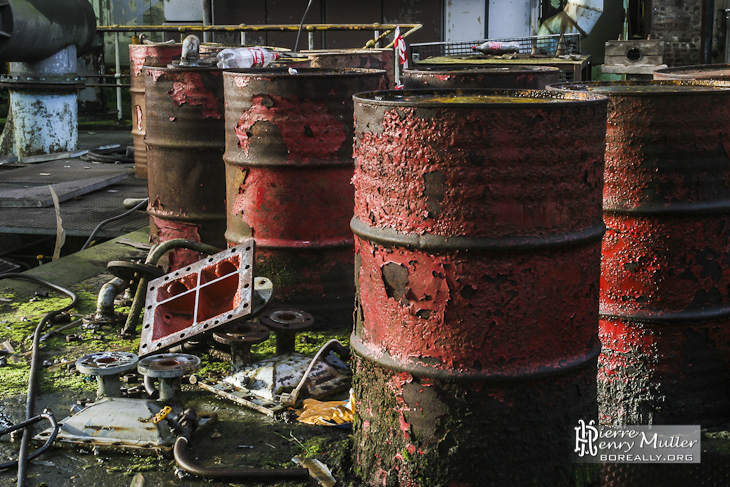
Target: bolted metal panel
288, 169
520, 77
665, 283
141, 55
477, 264
185, 144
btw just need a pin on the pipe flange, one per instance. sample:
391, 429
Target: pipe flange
42, 82
130, 270
107, 363
287, 319
242, 333
168, 365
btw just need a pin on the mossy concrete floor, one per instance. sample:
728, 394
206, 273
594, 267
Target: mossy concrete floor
240, 438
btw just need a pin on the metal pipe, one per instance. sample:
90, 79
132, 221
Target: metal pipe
207, 18
31, 31
105, 300
185, 463
118, 75
387, 28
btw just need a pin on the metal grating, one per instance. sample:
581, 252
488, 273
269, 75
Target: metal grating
542, 45
8, 266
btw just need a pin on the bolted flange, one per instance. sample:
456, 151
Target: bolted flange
168, 368
286, 323
240, 337
108, 368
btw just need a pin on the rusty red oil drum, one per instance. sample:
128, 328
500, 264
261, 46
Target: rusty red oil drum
375, 58
288, 169
477, 234
695, 72
185, 144
507, 77
665, 279
145, 55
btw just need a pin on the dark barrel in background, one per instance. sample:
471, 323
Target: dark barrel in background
695, 72
477, 235
288, 169
665, 278
141, 55
185, 145
519, 77
377, 58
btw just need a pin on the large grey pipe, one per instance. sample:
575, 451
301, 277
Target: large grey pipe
32, 30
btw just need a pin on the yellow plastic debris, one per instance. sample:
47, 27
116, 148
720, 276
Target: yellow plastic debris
328, 413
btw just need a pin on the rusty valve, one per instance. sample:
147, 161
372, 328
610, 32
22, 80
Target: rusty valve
168, 368
108, 367
286, 323
240, 337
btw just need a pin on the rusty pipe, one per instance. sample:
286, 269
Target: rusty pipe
185, 463
32, 30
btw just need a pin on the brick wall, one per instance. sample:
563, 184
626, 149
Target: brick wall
679, 24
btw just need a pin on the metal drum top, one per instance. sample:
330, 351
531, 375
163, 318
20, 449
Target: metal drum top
505, 77
699, 71
645, 88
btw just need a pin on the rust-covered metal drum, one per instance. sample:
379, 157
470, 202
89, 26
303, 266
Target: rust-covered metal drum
288, 170
665, 278
145, 55
518, 77
355, 58
477, 235
696, 72
185, 144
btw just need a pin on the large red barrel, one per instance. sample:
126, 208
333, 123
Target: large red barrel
145, 55
185, 145
478, 230
288, 170
665, 279
520, 77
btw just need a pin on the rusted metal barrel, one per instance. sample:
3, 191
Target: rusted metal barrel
519, 77
355, 58
477, 234
700, 71
288, 170
665, 279
185, 144
141, 55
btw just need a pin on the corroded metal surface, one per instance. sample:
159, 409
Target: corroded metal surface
288, 169
198, 299
665, 283
144, 55
477, 262
520, 77
355, 58
700, 71
185, 145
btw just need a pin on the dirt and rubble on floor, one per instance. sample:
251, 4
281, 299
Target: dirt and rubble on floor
240, 438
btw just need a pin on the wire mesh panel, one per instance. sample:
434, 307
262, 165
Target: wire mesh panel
540, 45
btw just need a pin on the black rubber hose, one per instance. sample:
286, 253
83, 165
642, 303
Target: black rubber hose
33, 374
49, 442
109, 220
299, 32
181, 457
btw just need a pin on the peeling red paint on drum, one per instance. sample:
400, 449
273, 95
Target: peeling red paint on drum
308, 129
665, 282
168, 230
288, 170
189, 88
185, 144
139, 56
478, 267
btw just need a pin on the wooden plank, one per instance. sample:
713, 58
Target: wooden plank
40, 196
